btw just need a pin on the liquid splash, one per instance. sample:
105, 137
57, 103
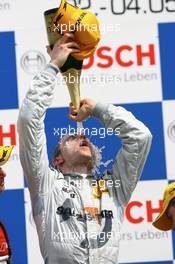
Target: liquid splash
99, 163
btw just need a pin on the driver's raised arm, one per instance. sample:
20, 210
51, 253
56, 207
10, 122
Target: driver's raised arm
32, 139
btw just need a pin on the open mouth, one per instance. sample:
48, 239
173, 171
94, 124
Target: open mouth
84, 143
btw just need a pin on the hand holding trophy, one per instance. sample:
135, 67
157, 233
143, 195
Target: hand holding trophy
85, 27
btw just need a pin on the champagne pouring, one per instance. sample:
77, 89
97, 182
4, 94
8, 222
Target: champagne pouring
71, 72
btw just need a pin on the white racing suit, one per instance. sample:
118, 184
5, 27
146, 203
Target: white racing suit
76, 222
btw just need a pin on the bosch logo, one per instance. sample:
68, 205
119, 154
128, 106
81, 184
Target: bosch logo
33, 61
171, 131
122, 56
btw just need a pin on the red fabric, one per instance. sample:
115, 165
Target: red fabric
4, 242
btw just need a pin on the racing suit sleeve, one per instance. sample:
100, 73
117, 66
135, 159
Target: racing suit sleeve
130, 159
31, 130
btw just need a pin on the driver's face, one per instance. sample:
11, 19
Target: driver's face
76, 148
2, 176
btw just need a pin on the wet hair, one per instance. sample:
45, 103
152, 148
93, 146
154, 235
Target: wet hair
57, 151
